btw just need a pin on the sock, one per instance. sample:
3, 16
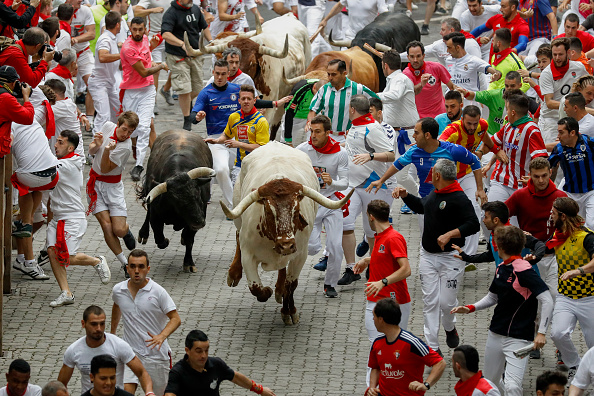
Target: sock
30, 263
20, 258
122, 258
350, 266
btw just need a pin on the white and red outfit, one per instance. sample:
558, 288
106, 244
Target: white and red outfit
477, 385
105, 191
83, 18
240, 25
430, 101
139, 95
63, 42
63, 74
66, 118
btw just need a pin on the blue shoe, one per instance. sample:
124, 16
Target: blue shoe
405, 209
362, 248
322, 264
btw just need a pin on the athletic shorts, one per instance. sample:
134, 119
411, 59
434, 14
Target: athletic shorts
86, 63
158, 53
110, 196
74, 230
186, 73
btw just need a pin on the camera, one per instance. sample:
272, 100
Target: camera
57, 54
17, 92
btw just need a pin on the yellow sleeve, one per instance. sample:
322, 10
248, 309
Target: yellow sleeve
262, 132
228, 130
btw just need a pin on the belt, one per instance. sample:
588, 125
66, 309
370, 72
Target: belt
49, 172
79, 53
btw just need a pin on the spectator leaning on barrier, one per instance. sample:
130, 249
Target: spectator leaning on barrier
11, 110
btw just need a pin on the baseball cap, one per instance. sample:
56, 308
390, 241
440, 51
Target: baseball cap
8, 74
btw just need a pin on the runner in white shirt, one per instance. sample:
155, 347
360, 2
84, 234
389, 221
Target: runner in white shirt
97, 342
69, 223
279, 7
361, 14
370, 153
17, 380
150, 317
105, 190
102, 83
64, 14
556, 82
476, 15
575, 106
65, 115
234, 17
330, 162
584, 377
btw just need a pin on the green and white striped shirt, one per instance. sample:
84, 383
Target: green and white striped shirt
335, 104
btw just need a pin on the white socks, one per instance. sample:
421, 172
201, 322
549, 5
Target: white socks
122, 259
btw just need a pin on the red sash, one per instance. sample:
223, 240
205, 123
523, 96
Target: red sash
24, 189
91, 193
50, 122
61, 248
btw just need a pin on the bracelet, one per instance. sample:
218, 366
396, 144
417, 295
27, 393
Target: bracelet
467, 94
530, 74
275, 104
256, 388
581, 269
472, 308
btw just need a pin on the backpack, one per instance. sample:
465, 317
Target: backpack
6, 42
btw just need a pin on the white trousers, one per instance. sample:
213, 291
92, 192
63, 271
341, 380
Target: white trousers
548, 129
331, 219
220, 163
157, 369
500, 358
531, 48
468, 184
441, 276
565, 316
142, 102
404, 177
106, 100
500, 192
459, 8
359, 201
548, 269
311, 16
299, 134
586, 203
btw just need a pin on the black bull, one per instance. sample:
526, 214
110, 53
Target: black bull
176, 189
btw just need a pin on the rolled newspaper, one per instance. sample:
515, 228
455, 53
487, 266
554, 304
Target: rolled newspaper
524, 351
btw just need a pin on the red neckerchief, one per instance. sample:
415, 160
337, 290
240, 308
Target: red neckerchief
50, 121
557, 239
244, 115
500, 56
467, 35
417, 72
455, 186
66, 27
233, 77
63, 72
363, 120
43, 16
183, 6
511, 259
466, 388
331, 146
72, 154
558, 73
74, 14
115, 136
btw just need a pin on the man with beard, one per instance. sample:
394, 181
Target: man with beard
476, 15
509, 18
137, 81
505, 59
453, 105
97, 342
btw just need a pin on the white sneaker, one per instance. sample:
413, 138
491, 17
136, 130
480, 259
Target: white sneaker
103, 270
414, 6
408, 13
34, 271
63, 299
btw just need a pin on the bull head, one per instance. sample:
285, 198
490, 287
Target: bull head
263, 50
193, 174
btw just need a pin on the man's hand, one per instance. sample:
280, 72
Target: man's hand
360, 159
539, 341
373, 288
569, 275
416, 386
585, 7
326, 177
48, 56
496, 76
399, 192
73, 40
155, 341
16, 4
98, 138
323, 23
525, 14
443, 240
164, 66
524, 180
232, 143
360, 266
481, 196
210, 140
484, 40
460, 251
529, 257
35, 3
239, 15
283, 101
154, 42
111, 145
425, 79
461, 309
157, 10
86, 123
199, 117
267, 392
523, 72
501, 156
372, 392
376, 185
485, 169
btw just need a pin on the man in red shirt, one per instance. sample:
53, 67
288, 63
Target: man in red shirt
572, 23
465, 363
11, 110
398, 359
17, 56
510, 19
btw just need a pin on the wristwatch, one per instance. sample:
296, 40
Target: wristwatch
371, 155
427, 385
385, 281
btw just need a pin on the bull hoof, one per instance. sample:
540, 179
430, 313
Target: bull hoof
265, 295
290, 319
190, 268
164, 244
278, 297
232, 282
142, 239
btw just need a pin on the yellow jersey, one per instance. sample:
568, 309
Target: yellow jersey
572, 255
249, 128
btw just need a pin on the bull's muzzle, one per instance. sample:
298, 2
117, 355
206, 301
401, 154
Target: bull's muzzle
285, 246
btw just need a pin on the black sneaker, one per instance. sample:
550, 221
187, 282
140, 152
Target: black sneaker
80, 98
21, 230
535, 354
43, 258
129, 240
452, 338
424, 30
362, 248
322, 264
136, 172
188, 123
440, 10
330, 292
348, 277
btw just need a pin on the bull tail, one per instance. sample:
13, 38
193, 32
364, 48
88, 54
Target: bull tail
142, 192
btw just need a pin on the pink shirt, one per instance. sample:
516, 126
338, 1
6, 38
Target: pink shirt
430, 101
131, 53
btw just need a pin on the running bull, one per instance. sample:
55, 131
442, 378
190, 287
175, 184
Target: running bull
274, 219
176, 189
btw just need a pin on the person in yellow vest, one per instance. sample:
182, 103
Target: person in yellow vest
574, 248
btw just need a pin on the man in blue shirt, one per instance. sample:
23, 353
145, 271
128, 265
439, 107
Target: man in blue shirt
575, 154
453, 104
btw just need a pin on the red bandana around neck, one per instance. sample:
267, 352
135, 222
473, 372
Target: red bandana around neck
331, 146
70, 155
455, 186
66, 27
233, 77
244, 115
466, 388
50, 121
63, 72
558, 73
557, 239
417, 72
501, 55
183, 6
363, 120
511, 259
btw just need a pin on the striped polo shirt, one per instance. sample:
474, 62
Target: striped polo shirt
577, 164
335, 103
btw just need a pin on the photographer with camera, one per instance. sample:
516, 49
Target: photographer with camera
34, 42
10, 19
11, 110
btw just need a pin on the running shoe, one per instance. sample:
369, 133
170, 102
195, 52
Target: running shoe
348, 277
167, 96
322, 264
330, 292
63, 299
43, 258
103, 270
21, 230
129, 240
452, 338
34, 271
362, 248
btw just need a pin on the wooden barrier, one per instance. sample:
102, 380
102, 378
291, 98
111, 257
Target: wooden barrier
5, 234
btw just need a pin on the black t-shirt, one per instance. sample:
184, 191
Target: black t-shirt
118, 392
516, 286
178, 20
589, 22
185, 381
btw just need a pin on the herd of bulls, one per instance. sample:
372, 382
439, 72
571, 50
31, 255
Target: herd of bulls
276, 196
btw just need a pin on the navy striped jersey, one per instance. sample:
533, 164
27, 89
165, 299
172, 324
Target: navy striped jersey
577, 164
218, 106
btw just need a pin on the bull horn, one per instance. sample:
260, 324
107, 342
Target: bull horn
189, 49
201, 172
292, 81
258, 24
382, 47
211, 49
247, 35
241, 207
339, 43
155, 192
275, 53
326, 202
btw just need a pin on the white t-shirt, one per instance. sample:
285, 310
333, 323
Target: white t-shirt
147, 312
587, 125
79, 355
119, 154
363, 139
154, 20
83, 18
337, 165
361, 14
468, 22
105, 73
584, 376
439, 49
398, 98
234, 7
32, 390
66, 196
467, 71
66, 117
63, 42
67, 82
560, 87
30, 150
